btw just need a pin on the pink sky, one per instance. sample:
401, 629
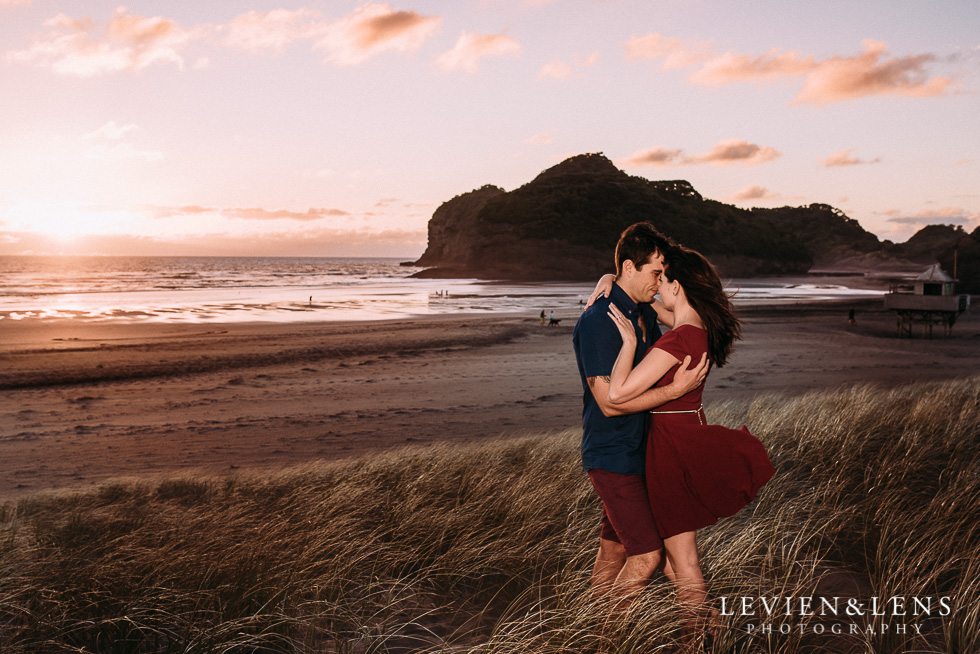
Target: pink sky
336, 129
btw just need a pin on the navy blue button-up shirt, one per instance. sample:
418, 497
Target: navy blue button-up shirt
615, 444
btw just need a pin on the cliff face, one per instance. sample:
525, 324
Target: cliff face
452, 229
564, 224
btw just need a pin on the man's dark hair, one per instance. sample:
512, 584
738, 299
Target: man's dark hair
638, 243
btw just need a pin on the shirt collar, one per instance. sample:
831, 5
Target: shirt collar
622, 300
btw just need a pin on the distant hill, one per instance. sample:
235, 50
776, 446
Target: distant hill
926, 243
564, 224
962, 259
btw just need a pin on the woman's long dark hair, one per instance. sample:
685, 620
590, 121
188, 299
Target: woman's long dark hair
705, 294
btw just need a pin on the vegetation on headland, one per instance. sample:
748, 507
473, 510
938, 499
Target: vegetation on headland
564, 225
962, 260
487, 549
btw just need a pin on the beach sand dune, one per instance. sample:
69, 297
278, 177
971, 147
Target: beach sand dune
82, 403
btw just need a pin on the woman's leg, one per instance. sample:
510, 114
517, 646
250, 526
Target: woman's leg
684, 571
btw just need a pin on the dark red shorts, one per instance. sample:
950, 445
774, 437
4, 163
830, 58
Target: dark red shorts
626, 515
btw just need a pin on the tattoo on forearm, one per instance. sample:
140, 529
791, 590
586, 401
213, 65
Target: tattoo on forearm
592, 380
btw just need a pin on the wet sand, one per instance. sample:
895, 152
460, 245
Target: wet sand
82, 403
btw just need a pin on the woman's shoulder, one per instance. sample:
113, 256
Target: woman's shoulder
690, 334
683, 339
686, 331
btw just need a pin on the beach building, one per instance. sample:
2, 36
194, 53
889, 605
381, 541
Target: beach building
929, 300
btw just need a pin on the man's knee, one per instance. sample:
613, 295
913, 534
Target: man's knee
610, 550
647, 562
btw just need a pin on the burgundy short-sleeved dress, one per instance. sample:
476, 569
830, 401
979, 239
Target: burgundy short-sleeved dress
697, 473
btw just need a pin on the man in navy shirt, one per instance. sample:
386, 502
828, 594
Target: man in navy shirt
614, 435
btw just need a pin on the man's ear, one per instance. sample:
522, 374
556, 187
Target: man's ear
628, 267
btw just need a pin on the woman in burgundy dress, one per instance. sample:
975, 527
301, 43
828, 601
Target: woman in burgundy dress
696, 473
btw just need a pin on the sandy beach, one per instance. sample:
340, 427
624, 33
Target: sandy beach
83, 403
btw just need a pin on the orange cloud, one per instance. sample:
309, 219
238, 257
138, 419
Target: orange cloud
375, 28
731, 67
754, 193
847, 78
844, 158
835, 79
257, 31
558, 69
727, 152
129, 43
470, 48
831, 80
736, 151
657, 156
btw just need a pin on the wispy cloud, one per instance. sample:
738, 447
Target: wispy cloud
656, 156
314, 241
674, 52
544, 138
120, 151
736, 151
470, 48
14, 3
754, 193
129, 42
257, 32
558, 69
374, 28
944, 216
108, 145
110, 131
844, 158
725, 153
281, 214
251, 213
835, 79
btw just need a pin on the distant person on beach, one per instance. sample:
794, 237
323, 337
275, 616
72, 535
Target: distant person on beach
695, 472
542, 316
613, 436
850, 317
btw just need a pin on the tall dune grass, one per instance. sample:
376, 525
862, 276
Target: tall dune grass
487, 549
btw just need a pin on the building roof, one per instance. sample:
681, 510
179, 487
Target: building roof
934, 274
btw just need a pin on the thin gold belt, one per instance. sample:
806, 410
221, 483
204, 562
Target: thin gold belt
697, 410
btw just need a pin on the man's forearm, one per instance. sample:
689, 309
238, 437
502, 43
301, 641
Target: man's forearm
649, 399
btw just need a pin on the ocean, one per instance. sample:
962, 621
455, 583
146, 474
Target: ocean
282, 289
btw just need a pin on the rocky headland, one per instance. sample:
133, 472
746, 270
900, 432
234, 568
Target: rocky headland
563, 225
